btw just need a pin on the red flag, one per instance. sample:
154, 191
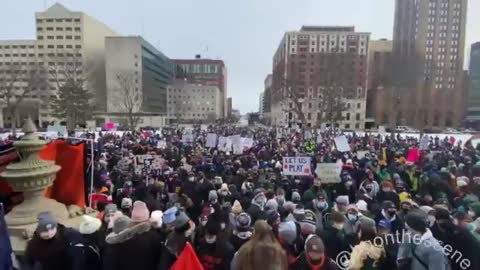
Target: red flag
187, 260
68, 187
413, 155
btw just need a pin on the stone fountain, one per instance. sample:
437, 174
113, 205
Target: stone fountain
31, 176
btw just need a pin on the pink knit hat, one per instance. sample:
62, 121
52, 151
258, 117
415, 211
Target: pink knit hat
140, 212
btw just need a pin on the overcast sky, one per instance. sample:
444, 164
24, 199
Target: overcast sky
243, 33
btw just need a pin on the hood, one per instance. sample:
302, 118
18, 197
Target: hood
129, 233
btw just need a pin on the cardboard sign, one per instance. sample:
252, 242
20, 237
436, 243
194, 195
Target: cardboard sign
424, 142
329, 173
362, 154
342, 144
211, 140
296, 166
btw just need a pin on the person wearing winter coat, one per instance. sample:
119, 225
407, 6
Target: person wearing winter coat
213, 252
334, 236
355, 219
367, 254
319, 206
387, 193
242, 232
50, 246
310, 194
86, 251
314, 257
389, 213
262, 251
132, 243
256, 209
425, 253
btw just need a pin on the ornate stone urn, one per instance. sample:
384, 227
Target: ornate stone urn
31, 176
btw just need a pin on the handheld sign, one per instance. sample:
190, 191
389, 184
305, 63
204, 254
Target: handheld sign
211, 140
424, 142
342, 144
329, 173
296, 166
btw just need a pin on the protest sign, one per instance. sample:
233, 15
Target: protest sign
424, 142
57, 128
222, 144
161, 144
296, 166
329, 173
413, 155
211, 140
361, 154
342, 144
382, 130
308, 135
187, 138
109, 125
146, 164
237, 144
319, 138
204, 127
247, 142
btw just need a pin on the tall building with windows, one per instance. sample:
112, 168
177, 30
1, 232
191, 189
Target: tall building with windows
147, 71
261, 103
473, 112
428, 48
315, 58
267, 99
65, 40
194, 103
206, 72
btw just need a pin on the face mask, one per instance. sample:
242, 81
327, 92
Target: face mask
471, 213
191, 179
280, 200
352, 217
297, 181
203, 222
211, 239
222, 226
321, 205
386, 190
338, 226
261, 201
348, 184
392, 213
48, 234
224, 193
431, 220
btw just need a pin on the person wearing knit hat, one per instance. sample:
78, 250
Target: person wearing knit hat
47, 225
156, 219
257, 206
271, 204
313, 256
126, 206
109, 211
334, 236
206, 212
212, 197
296, 198
89, 225
389, 213
85, 254
362, 206
237, 208
341, 203
140, 212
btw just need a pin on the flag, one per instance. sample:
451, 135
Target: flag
187, 260
68, 187
5, 245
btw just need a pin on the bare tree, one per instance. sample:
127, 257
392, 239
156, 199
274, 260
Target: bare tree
291, 101
129, 99
18, 82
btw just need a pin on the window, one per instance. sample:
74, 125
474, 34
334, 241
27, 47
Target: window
40, 37
357, 117
49, 20
68, 20
69, 46
50, 37
68, 37
51, 46
77, 29
59, 37
77, 37
68, 28
77, 20
59, 46
347, 116
59, 20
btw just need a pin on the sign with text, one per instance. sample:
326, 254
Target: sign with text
296, 166
342, 144
211, 140
329, 173
424, 142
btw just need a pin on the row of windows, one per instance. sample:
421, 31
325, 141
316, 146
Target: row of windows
189, 115
190, 109
77, 29
41, 55
193, 90
58, 20
192, 97
59, 37
17, 46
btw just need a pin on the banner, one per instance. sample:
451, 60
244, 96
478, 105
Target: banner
329, 173
237, 144
296, 166
211, 140
342, 144
424, 142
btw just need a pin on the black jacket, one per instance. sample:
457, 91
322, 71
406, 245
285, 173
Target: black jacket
134, 248
256, 213
86, 253
302, 264
216, 256
335, 242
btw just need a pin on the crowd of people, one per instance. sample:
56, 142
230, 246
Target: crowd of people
241, 212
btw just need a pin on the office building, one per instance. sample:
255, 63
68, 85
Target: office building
267, 100
473, 105
194, 103
147, 71
379, 94
261, 103
64, 38
205, 72
229, 108
311, 60
428, 49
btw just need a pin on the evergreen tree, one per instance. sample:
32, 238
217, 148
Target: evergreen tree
72, 104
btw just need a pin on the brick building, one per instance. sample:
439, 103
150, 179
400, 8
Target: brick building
314, 58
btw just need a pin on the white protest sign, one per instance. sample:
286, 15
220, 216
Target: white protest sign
211, 140
342, 144
319, 138
308, 135
361, 154
382, 130
247, 142
204, 127
222, 144
187, 138
237, 144
296, 166
58, 128
424, 142
329, 172
161, 144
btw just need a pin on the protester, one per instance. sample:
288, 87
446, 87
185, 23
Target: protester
314, 257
